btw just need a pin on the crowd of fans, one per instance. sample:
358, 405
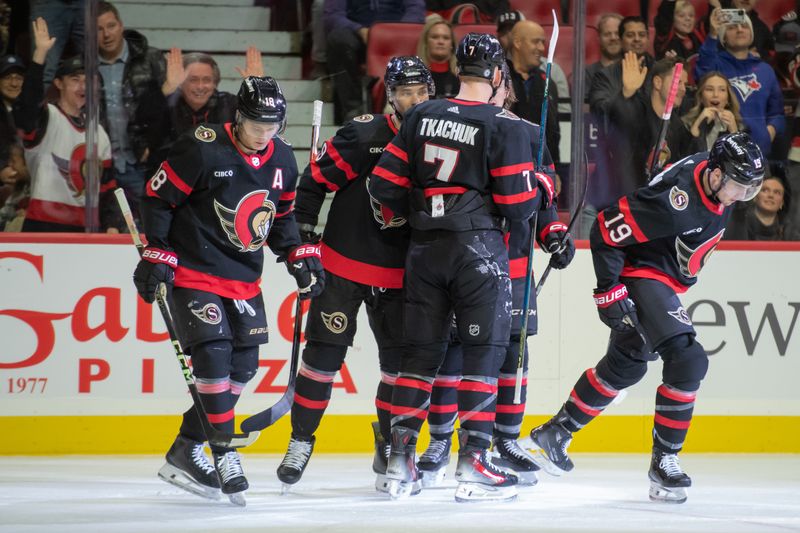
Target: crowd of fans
736, 76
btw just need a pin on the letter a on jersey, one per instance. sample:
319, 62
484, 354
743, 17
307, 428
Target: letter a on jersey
247, 226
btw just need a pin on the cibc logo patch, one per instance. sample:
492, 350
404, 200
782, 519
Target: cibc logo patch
335, 322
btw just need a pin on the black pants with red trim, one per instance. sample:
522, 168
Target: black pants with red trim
669, 334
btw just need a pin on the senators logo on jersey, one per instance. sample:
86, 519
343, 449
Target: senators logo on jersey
75, 170
691, 261
247, 226
382, 214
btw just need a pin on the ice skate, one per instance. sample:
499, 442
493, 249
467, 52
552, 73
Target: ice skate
188, 468
508, 454
668, 482
433, 462
401, 471
295, 461
231, 476
480, 480
550, 442
380, 460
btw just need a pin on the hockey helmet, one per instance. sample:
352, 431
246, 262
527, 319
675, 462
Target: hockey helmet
478, 54
741, 162
407, 70
260, 99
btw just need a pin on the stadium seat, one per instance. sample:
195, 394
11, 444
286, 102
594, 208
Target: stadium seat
386, 40
539, 11
594, 9
771, 11
460, 30
564, 57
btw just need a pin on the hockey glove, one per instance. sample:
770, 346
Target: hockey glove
155, 267
308, 235
304, 263
616, 309
546, 188
559, 244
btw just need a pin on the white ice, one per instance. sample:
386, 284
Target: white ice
120, 494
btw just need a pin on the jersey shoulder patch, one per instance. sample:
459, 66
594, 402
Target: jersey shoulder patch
207, 135
364, 118
505, 113
678, 198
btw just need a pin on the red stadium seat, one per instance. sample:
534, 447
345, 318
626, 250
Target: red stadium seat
539, 11
386, 40
460, 30
771, 11
596, 8
564, 57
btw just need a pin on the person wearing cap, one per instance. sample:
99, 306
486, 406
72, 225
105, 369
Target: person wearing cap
12, 75
54, 139
505, 23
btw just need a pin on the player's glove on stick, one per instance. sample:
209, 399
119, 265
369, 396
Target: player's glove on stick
558, 243
616, 309
304, 263
546, 188
155, 267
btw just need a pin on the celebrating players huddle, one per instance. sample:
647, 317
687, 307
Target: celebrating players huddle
434, 207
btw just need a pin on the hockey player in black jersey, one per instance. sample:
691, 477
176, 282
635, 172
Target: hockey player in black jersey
647, 248
222, 194
550, 233
364, 248
457, 169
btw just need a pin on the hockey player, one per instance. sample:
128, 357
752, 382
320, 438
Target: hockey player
223, 193
508, 422
456, 169
647, 248
364, 247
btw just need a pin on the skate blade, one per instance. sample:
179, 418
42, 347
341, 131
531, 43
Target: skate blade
400, 490
662, 494
238, 499
178, 478
285, 489
381, 483
544, 462
527, 479
432, 478
478, 492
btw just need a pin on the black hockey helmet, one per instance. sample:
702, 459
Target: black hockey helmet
407, 70
740, 160
260, 99
477, 54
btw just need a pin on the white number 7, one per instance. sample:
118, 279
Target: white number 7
447, 156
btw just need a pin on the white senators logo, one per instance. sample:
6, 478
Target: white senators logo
678, 199
209, 313
204, 134
681, 316
247, 226
364, 118
336, 322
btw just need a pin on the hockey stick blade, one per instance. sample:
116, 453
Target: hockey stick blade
215, 437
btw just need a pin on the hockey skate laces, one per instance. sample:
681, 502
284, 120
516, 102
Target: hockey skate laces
231, 466
670, 464
199, 458
298, 453
435, 450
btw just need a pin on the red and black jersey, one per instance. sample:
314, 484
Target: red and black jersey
363, 242
665, 231
457, 165
216, 207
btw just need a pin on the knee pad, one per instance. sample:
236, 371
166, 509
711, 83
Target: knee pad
212, 360
325, 357
244, 364
685, 362
482, 360
620, 370
453, 360
389, 359
424, 359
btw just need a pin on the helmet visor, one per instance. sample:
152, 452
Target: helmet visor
738, 192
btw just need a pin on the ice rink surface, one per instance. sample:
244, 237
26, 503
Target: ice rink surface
605, 493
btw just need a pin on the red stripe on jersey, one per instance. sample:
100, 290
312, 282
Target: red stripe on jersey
397, 152
280, 214
444, 190
391, 124
109, 185
391, 176
514, 198
309, 403
227, 288
511, 382
517, 268
652, 273
674, 424
261, 158
220, 418
510, 169
45, 211
477, 386
712, 206
477, 416
625, 209
173, 178
359, 272
608, 392
383, 406
677, 395
510, 409
287, 196
340, 163
465, 102
413, 384
317, 175
448, 408
601, 223
580, 404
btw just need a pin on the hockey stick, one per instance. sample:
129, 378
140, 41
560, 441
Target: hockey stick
529, 269
270, 415
215, 437
655, 166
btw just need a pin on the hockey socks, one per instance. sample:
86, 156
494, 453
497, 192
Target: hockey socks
444, 406
673, 416
383, 403
587, 400
477, 399
311, 397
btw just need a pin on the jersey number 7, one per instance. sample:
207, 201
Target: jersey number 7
448, 158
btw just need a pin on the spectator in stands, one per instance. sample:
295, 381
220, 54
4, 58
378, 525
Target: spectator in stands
505, 23
764, 219
15, 189
610, 46
763, 41
347, 24
677, 29
715, 112
54, 139
65, 19
436, 48
12, 75
133, 102
727, 50
526, 63
787, 38
457, 10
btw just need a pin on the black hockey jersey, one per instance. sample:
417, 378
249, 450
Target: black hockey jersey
457, 165
216, 207
363, 241
665, 231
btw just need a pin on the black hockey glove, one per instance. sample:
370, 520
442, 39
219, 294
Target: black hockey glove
304, 263
546, 188
155, 267
559, 244
308, 235
616, 309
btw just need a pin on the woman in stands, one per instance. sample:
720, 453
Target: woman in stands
436, 47
715, 112
766, 217
677, 29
